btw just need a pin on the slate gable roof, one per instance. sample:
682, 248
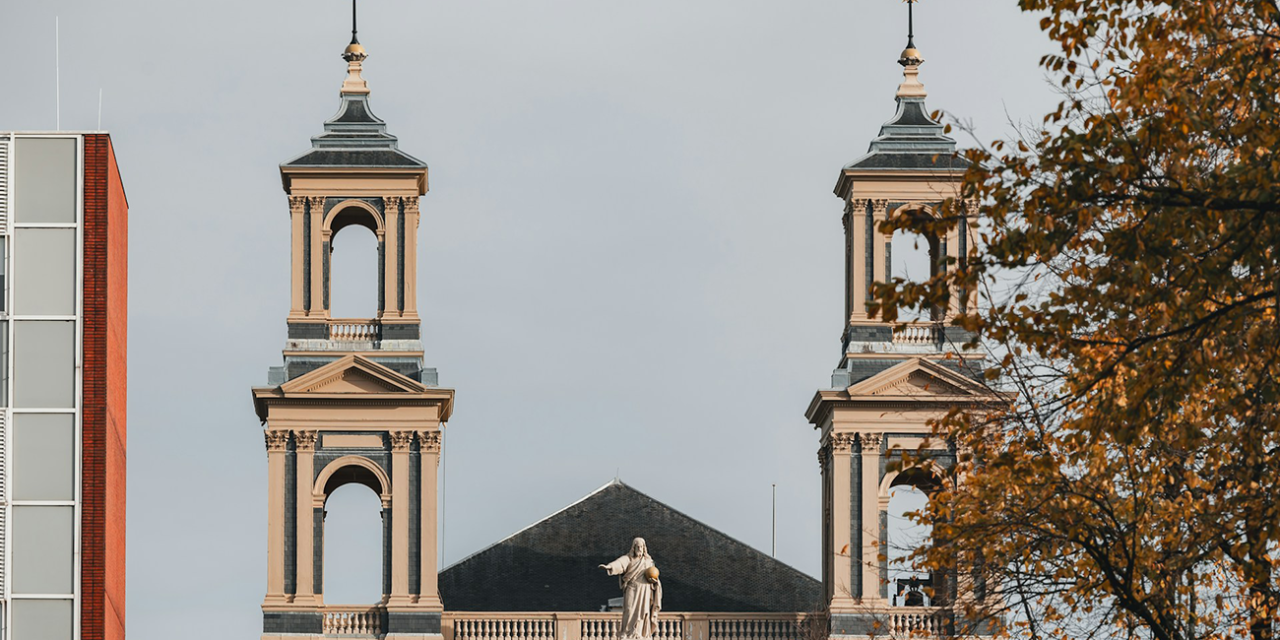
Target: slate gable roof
864, 368
552, 565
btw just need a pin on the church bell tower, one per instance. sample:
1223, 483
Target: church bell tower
353, 402
892, 378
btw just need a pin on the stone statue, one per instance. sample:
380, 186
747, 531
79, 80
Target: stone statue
641, 592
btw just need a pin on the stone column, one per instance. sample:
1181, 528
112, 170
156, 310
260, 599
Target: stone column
277, 447
429, 443
872, 544
411, 257
857, 255
879, 242
401, 441
297, 210
391, 255
305, 445
966, 245
317, 257
842, 544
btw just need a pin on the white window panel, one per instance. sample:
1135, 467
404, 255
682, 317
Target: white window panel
44, 179
43, 539
41, 620
44, 261
44, 364
44, 456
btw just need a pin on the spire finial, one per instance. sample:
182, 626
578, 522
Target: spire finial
910, 56
354, 55
911, 59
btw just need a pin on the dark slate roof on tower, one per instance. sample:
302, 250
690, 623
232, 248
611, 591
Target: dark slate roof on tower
911, 140
354, 137
552, 564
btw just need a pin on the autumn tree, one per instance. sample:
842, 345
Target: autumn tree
1128, 262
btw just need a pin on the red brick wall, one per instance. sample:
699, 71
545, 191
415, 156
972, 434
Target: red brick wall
102, 527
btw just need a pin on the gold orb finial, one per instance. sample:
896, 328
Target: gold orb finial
652, 573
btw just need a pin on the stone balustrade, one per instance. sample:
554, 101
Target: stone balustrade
917, 334
353, 621
347, 330
604, 626
917, 621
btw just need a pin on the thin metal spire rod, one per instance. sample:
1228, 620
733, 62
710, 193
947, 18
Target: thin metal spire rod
353, 23
911, 22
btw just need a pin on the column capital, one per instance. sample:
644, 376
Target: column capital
410, 204
857, 205
429, 441
305, 440
870, 443
879, 208
392, 201
296, 203
401, 441
842, 442
317, 202
277, 440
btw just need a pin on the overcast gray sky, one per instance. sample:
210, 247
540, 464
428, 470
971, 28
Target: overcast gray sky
630, 254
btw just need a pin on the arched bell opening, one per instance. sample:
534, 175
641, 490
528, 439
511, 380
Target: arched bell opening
353, 536
906, 498
354, 278
917, 257
352, 546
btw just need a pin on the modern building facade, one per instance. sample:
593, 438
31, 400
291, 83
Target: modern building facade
63, 331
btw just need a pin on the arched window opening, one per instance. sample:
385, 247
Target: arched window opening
916, 258
353, 540
909, 494
354, 270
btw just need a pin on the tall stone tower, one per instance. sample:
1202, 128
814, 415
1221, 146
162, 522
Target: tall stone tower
353, 402
891, 379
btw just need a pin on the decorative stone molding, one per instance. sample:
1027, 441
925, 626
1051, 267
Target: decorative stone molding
401, 440
277, 441
429, 441
879, 208
410, 204
296, 203
392, 202
842, 442
870, 443
857, 205
317, 203
305, 440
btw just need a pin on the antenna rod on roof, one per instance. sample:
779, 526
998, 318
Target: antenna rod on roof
57, 76
775, 520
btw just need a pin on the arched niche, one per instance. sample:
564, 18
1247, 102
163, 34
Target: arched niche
348, 469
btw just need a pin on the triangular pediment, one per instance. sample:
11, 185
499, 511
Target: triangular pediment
918, 378
351, 375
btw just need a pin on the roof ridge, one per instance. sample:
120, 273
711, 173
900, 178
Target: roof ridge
618, 482
538, 522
